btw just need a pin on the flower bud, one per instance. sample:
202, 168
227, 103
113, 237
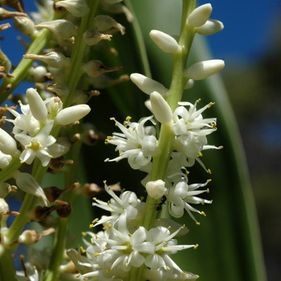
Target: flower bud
165, 42
7, 143
4, 207
156, 189
62, 29
93, 37
36, 104
106, 24
78, 8
5, 160
204, 69
210, 27
72, 114
199, 15
38, 73
53, 59
148, 85
26, 26
28, 184
160, 108
29, 237
95, 68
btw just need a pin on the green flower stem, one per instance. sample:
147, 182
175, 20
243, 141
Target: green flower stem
56, 260
80, 49
53, 273
9, 84
166, 137
7, 269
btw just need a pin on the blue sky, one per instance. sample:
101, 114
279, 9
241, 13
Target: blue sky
248, 33
249, 28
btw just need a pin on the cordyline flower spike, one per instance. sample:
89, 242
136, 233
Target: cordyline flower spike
148, 85
78, 8
165, 42
210, 27
160, 108
7, 143
204, 69
72, 114
37, 105
199, 15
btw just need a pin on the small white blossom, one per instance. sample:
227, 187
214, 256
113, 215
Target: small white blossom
182, 196
136, 142
126, 207
4, 207
37, 146
191, 129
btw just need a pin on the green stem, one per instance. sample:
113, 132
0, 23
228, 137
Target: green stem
9, 84
56, 260
79, 51
53, 273
166, 136
7, 268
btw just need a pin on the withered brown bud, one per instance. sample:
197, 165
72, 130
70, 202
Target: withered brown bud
52, 193
63, 208
42, 213
57, 164
92, 190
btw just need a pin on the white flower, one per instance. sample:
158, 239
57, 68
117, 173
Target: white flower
24, 122
136, 142
128, 250
181, 196
165, 245
191, 129
126, 207
37, 146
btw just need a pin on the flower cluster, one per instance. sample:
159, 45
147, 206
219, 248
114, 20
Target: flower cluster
124, 244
